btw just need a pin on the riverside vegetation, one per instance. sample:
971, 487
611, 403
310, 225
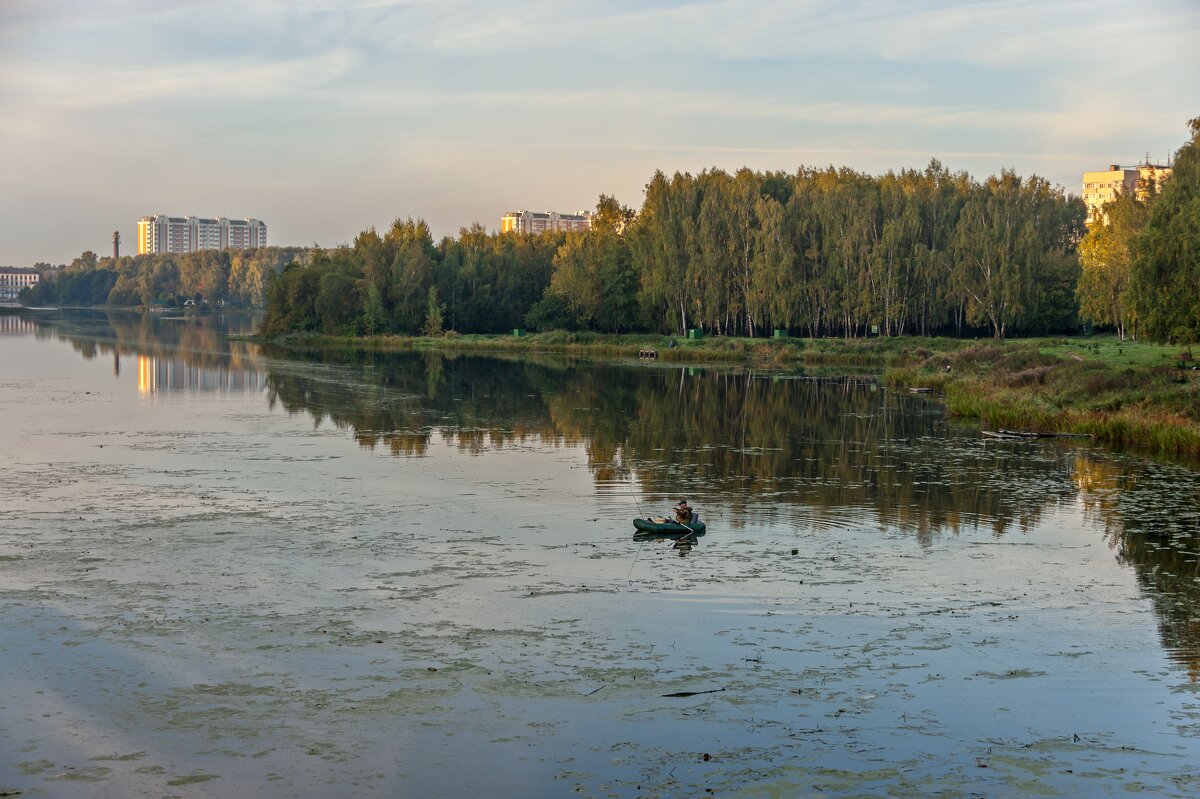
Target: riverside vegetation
217, 277
820, 253
1124, 393
824, 252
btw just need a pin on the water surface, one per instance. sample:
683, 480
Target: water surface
227, 571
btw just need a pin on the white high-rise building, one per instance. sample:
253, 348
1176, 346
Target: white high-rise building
542, 221
179, 234
241, 234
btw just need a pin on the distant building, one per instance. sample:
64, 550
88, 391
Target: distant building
13, 279
1102, 187
243, 234
178, 234
540, 222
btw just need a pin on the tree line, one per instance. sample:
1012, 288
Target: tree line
820, 252
226, 277
1141, 261
402, 282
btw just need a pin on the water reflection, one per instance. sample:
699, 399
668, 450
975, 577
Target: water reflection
156, 375
772, 451
14, 324
1155, 533
813, 454
170, 353
682, 543
817, 453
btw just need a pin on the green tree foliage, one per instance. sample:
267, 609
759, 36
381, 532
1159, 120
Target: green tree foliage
839, 252
1104, 288
434, 314
550, 313
823, 251
292, 295
490, 282
74, 287
210, 276
374, 318
338, 305
1011, 234
1165, 269
594, 279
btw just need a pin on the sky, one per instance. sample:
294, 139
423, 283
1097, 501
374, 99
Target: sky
325, 118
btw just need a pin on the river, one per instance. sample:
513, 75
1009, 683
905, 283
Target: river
232, 571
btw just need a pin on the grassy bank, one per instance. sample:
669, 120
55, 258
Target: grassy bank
1126, 394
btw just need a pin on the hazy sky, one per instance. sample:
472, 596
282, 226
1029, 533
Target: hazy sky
324, 117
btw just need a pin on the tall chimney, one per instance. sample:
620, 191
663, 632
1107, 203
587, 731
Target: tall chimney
116, 244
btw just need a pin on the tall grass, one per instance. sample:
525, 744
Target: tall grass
1145, 409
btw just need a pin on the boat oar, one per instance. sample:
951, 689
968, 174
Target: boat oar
691, 532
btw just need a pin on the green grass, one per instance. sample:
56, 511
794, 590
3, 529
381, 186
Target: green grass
1127, 394
1111, 351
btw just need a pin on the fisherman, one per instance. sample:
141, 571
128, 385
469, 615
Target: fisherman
683, 513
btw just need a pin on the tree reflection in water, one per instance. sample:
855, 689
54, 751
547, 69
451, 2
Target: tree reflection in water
197, 349
813, 453
1155, 533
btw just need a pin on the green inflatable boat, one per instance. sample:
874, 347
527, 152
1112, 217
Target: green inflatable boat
661, 524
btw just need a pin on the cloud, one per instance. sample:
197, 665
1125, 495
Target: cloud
59, 85
398, 94
995, 33
1078, 122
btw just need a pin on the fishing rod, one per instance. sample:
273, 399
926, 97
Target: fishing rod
635, 500
629, 576
638, 554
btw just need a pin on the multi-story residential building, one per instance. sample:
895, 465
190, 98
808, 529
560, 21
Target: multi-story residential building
1102, 187
540, 222
178, 234
206, 233
13, 279
162, 233
243, 234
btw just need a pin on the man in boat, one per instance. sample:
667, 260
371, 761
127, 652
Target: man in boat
683, 513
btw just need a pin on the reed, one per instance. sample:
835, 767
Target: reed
1151, 408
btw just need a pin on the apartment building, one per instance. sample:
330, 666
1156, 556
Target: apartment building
1102, 187
243, 234
540, 222
179, 234
13, 279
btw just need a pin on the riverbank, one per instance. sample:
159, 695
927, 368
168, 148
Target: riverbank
764, 352
1125, 394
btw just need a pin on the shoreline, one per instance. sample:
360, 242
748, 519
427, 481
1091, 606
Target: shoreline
763, 352
1124, 394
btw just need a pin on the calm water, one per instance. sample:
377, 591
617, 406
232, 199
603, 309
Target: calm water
230, 572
